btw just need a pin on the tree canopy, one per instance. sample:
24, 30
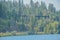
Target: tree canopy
33, 18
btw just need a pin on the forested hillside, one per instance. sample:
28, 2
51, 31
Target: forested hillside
15, 17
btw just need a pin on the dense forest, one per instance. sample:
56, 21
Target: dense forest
31, 19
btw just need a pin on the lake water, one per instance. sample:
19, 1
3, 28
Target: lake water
32, 37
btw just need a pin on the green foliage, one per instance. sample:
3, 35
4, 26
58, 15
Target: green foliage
17, 18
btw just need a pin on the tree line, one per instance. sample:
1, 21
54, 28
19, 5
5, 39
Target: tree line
33, 18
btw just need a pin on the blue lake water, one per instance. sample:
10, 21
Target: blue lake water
32, 37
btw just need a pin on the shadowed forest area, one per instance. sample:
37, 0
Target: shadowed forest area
19, 19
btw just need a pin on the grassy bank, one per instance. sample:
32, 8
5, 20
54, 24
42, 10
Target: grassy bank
13, 34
